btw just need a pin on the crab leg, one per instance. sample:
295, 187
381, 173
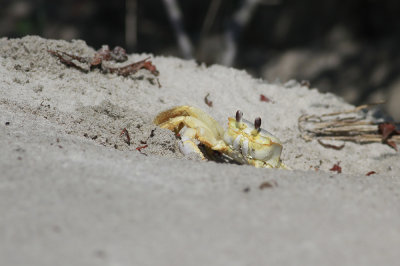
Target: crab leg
192, 132
189, 142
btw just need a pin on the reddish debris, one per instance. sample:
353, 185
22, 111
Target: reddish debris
102, 54
387, 130
305, 83
126, 133
336, 168
392, 144
264, 98
370, 173
118, 54
142, 147
150, 67
331, 146
267, 184
207, 101
133, 68
67, 59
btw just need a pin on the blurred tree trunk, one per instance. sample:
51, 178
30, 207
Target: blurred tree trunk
131, 25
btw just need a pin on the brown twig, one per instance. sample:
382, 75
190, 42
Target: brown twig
207, 101
140, 149
133, 68
67, 59
327, 145
268, 184
118, 54
347, 125
370, 173
126, 133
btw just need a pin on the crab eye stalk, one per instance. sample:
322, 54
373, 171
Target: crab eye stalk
257, 123
239, 115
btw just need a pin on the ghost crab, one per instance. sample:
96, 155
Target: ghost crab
243, 141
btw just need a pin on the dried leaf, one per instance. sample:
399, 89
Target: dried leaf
264, 98
392, 144
336, 168
267, 184
387, 129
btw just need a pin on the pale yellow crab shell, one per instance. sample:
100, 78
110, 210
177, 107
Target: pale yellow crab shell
240, 142
258, 146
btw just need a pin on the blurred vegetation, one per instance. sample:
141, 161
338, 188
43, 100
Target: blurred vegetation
347, 47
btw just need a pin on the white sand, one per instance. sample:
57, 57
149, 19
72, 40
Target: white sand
72, 192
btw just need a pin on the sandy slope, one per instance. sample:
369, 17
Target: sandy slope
72, 192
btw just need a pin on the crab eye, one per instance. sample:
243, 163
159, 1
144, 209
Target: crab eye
239, 115
257, 123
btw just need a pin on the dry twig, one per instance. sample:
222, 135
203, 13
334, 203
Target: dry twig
118, 54
349, 125
207, 101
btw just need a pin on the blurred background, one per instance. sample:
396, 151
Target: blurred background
348, 47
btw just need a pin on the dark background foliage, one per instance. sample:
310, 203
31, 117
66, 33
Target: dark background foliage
346, 47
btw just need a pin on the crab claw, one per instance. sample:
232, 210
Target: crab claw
164, 118
194, 126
